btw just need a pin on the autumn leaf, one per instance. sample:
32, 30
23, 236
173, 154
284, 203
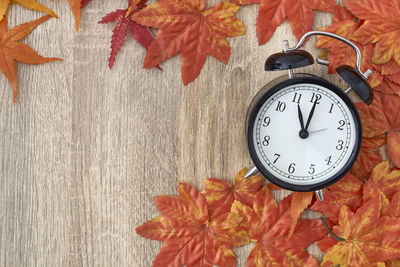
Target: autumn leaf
123, 17
268, 225
347, 191
220, 194
368, 157
191, 30
372, 191
387, 179
12, 50
84, 3
31, 4
189, 236
272, 13
381, 27
300, 201
383, 117
367, 237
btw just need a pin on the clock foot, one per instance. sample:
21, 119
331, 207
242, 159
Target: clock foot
320, 195
251, 172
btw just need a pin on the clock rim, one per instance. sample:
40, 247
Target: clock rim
278, 84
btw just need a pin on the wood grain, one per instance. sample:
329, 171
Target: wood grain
84, 149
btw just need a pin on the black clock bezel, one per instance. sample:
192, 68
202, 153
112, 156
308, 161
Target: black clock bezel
271, 88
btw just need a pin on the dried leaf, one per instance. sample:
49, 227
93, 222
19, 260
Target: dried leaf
387, 180
383, 117
381, 27
368, 238
268, 224
189, 236
272, 13
84, 3
369, 156
220, 194
346, 191
12, 50
123, 17
300, 201
76, 10
191, 30
31, 4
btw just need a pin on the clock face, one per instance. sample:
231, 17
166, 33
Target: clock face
305, 134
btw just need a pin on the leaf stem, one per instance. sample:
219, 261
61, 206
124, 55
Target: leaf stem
329, 231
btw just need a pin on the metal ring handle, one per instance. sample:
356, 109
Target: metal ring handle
335, 36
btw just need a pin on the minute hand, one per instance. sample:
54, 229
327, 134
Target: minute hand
311, 114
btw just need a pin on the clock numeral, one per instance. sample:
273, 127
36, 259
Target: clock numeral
312, 169
296, 98
281, 106
267, 121
330, 110
340, 145
316, 97
291, 168
328, 160
341, 124
277, 157
266, 140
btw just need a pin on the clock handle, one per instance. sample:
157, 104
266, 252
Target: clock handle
335, 36
320, 195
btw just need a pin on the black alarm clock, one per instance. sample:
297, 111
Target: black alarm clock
303, 132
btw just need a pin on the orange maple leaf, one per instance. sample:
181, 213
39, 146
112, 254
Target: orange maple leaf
368, 157
188, 28
381, 27
31, 4
220, 194
387, 179
383, 117
11, 50
190, 237
347, 191
268, 225
299, 13
345, 24
367, 237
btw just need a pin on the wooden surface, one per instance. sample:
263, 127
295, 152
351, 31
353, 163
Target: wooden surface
84, 149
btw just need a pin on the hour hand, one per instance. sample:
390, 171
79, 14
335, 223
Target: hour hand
300, 117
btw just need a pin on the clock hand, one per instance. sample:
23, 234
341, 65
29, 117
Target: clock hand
300, 117
317, 131
311, 114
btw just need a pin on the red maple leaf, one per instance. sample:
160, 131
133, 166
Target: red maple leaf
269, 224
191, 30
190, 237
220, 194
123, 17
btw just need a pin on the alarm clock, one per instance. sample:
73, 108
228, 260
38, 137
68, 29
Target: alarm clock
304, 132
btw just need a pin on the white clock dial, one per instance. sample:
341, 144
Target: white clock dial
316, 158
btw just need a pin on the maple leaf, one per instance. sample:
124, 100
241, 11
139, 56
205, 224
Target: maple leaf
123, 17
188, 28
268, 225
381, 27
367, 237
11, 50
220, 194
31, 4
84, 3
387, 180
368, 157
189, 236
383, 117
299, 13
300, 201
347, 191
